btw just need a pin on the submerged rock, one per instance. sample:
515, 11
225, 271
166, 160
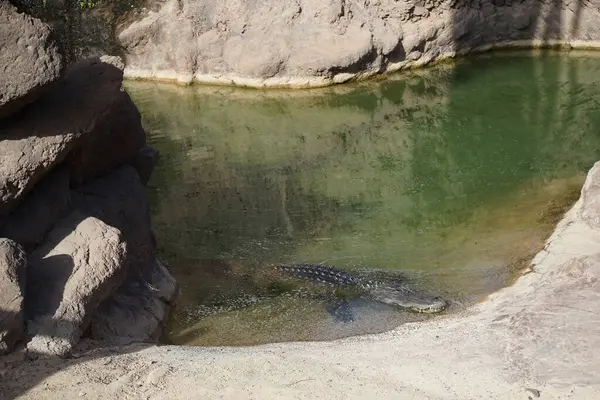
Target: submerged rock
80, 264
13, 262
144, 162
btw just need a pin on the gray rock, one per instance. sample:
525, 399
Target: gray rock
48, 129
116, 139
49, 201
314, 42
119, 199
115, 61
81, 263
144, 162
13, 262
141, 305
590, 198
29, 59
139, 309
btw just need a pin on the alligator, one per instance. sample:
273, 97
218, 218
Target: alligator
396, 294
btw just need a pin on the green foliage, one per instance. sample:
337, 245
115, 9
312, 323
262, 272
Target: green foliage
87, 3
36, 6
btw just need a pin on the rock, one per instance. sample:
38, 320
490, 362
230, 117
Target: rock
232, 41
116, 139
141, 305
29, 60
139, 309
144, 162
13, 262
48, 129
48, 202
590, 198
313, 43
81, 263
119, 199
115, 61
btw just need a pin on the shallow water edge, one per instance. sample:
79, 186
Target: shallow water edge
316, 81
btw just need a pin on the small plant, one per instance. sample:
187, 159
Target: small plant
87, 3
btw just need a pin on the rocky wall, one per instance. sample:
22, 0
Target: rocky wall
77, 252
302, 43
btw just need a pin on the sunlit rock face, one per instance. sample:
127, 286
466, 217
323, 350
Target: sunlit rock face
312, 43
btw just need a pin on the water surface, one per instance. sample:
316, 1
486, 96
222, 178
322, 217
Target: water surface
452, 176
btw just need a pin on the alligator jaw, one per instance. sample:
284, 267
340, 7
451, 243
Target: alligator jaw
409, 299
436, 308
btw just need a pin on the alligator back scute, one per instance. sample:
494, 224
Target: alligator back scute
318, 273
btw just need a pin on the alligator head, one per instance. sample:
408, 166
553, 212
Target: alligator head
405, 297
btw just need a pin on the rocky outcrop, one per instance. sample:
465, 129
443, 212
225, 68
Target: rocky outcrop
137, 312
96, 153
12, 291
29, 58
56, 125
81, 263
72, 198
119, 200
590, 197
138, 309
302, 43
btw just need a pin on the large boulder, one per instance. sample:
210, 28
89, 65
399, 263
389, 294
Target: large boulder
50, 128
119, 199
49, 201
116, 139
13, 262
319, 42
80, 265
29, 59
139, 310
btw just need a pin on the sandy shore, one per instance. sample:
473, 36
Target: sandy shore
536, 339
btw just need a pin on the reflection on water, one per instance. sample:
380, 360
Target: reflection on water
453, 176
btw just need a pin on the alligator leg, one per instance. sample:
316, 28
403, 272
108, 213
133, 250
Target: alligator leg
340, 310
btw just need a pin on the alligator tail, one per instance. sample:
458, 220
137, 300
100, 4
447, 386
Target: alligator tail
318, 273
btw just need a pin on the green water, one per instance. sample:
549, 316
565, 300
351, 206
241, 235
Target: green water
453, 176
